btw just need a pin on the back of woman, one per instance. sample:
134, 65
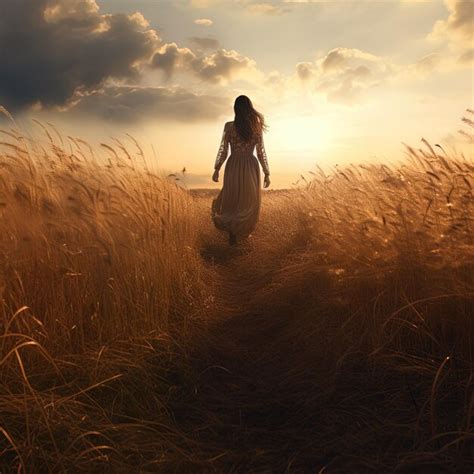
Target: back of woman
237, 207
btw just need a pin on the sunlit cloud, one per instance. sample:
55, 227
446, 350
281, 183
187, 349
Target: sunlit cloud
171, 57
202, 3
344, 75
250, 6
265, 8
200, 42
216, 67
459, 26
457, 29
203, 21
305, 70
223, 65
428, 63
467, 58
132, 104
338, 58
90, 64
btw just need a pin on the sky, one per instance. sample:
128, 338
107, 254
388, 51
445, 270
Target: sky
339, 82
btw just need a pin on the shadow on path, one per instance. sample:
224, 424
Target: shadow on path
221, 253
241, 407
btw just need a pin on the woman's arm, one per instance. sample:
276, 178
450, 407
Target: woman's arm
262, 158
223, 149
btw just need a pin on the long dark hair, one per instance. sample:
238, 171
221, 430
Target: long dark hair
248, 121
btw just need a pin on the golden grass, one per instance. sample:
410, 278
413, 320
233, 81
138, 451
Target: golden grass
97, 251
338, 338
100, 247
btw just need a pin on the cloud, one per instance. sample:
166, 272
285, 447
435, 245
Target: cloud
51, 49
427, 63
203, 21
274, 7
274, 78
127, 104
304, 70
349, 85
202, 3
459, 24
265, 8
170, 57
67, 55
339, 57
344, 75
222, 65
204, 42
467, 57
216, 67
457, 31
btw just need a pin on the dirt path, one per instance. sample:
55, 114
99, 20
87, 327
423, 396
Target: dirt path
277, 382
243, 413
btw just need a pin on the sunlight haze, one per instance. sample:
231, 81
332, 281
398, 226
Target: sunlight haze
336, 80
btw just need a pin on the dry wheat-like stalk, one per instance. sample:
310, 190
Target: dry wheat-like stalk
330, 331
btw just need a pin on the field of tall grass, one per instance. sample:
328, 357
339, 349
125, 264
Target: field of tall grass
338, 338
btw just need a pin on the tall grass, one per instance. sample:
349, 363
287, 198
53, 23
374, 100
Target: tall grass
99, 267
97, 247
339, 337
369, 270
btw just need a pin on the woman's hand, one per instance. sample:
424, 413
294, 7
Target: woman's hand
266, 181
215, 176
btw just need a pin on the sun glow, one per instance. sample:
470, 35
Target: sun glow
298, 142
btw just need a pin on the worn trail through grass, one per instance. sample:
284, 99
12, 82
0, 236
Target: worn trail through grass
242, 408
281, 383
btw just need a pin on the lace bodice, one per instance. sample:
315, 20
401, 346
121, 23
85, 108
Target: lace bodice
240, 146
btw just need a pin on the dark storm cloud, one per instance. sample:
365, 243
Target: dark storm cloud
133, 104
49, 49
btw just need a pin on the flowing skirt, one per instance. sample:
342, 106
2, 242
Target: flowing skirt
237, 207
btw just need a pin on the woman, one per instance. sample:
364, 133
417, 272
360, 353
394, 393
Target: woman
237, 207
